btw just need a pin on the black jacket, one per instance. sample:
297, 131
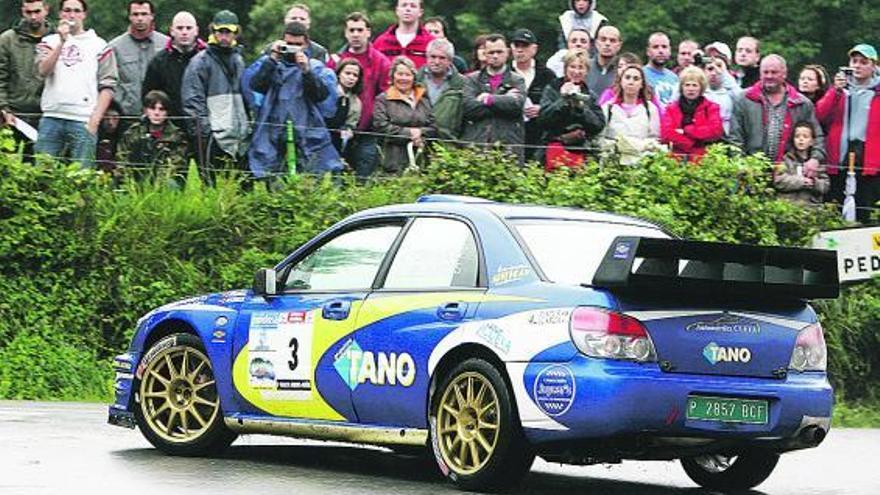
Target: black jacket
165, 73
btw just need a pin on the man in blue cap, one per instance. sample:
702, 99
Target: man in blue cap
852, 110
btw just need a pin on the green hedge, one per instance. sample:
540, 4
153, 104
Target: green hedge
81, 259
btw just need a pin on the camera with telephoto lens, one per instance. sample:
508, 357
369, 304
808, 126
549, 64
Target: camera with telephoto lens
701, 59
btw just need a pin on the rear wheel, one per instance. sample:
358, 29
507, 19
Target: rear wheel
739, 472
178, 408
475, 432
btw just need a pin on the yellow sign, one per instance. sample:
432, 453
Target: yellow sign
876, 244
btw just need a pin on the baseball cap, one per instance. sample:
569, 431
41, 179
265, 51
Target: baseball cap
721, 48
225, 19
524, 36
864, 49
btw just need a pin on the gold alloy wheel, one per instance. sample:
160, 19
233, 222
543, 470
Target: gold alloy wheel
178, 394
467, 423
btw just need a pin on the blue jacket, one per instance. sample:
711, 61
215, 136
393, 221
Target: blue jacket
303, 99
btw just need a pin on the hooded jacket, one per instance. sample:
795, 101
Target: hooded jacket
132, 58
416, 50
570, 19
211, 98
85, 66
165, 73
748, 126
832, 110
448, 108
20, 83
295, 96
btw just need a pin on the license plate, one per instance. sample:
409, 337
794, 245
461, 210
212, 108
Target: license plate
727, 410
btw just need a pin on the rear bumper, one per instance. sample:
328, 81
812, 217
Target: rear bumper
612, 399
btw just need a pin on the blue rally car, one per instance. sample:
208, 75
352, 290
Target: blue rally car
489, 333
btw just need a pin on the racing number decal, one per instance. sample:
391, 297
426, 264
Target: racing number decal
279, 345
294, 347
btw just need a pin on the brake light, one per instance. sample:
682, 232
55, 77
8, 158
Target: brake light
810, 353
601, 333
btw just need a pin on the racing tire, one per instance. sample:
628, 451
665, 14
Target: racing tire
735, 473
177, 406
475, 433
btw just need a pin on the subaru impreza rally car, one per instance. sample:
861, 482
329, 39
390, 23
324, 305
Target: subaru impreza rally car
490, 333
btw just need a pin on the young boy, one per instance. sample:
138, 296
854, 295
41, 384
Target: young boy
153, 144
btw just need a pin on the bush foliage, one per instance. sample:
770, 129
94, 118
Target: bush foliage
82, 260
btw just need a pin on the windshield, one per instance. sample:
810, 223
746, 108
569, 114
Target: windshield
569, 252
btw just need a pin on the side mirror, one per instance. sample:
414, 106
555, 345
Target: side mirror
264, 282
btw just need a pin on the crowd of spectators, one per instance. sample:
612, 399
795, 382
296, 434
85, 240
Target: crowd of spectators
376, 105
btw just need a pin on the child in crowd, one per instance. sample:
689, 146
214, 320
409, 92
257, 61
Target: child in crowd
109, 132
348, 106
153, 143
794, 180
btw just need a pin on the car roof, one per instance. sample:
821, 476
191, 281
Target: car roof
468, 206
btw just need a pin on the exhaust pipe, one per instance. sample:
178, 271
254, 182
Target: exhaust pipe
812, 435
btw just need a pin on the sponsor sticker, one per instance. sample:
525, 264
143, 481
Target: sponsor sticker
507, 274
718, 354
494, 335
725, 324
356, 366
622, 250
554, 390
550, 317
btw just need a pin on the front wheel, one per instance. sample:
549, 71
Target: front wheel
178, 408
475, 432
739, 472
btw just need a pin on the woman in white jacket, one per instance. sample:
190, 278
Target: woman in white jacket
633, 120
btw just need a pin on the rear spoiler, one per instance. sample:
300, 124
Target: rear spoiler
713, 269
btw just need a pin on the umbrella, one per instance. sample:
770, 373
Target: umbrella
849, 202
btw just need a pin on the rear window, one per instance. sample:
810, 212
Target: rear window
569, 252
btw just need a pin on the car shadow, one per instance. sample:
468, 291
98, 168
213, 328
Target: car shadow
381, 466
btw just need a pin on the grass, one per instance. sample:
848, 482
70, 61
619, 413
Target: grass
856, 415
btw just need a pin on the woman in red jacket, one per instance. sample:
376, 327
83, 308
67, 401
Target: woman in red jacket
692, 122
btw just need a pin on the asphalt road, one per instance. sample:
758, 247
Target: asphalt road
63, 448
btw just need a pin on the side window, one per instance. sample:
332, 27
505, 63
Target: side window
436, 252
348, 261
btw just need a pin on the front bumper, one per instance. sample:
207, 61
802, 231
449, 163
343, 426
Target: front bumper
120, 411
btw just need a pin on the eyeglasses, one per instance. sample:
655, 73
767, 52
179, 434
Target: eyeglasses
71, 10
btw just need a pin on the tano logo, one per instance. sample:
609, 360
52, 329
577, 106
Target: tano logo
717, 354
357, 366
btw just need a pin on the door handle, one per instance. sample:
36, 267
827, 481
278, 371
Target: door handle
452, 311
336, 310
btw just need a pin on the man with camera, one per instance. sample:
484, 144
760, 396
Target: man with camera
298, 92
852, 109
80, 77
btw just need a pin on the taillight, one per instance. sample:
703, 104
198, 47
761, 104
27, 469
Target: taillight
601, 333
810, 353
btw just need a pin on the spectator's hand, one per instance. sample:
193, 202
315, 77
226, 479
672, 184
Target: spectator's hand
811, 167
482, 97
63, 30
302, 60
8, 118
532, 111
570, 88
416, 135
679, 131
276, 50
809, 181
92, 125
840, 80
346, 134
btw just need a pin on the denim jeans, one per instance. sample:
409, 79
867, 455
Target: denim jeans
363, 153
56, 135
